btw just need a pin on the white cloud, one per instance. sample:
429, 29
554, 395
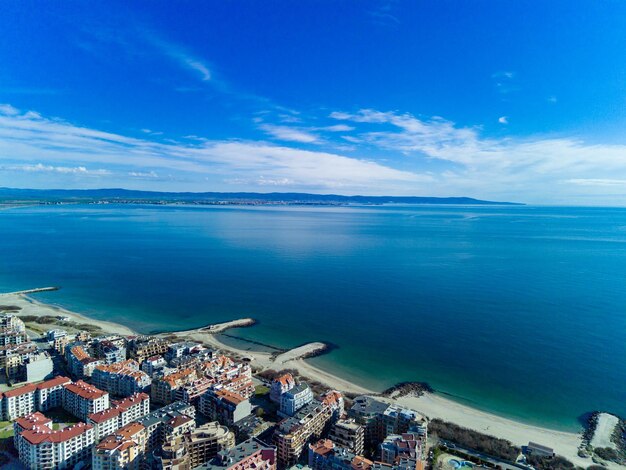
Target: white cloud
143, 174
503, 120
290, 134
8, 110
25, 139
539, 168
180, 55
40, 167
338, 128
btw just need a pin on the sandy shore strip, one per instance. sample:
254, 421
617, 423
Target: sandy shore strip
429, 404
30, 306
306, 350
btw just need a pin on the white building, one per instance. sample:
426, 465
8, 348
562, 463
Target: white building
294, 399
82, 399
50, 393
42, 448
120, 414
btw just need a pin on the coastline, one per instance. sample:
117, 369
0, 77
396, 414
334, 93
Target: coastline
431, 405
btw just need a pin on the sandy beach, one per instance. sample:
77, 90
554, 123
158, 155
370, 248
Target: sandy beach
30, 306
430, 405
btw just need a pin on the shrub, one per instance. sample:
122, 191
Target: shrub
474, 440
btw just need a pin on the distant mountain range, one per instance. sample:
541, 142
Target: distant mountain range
134, 196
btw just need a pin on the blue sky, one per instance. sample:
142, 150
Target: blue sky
508, 100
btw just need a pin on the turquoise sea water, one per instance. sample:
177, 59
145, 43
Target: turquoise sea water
517, 310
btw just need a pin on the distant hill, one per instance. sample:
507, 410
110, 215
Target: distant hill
130, 196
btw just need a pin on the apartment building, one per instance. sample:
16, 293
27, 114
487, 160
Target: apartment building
154, 422
115, 453
192, 391
82, 399
281, 385
350, 435
295, 432
294, 399
40, 447
19, 402
164, 389
121, 378
143, 347
110, 352
36, 367
79, 362
49, 394
120, 414
326, 455
224, 406
206, 441
11, 322
252, 454
123, 449
407, 447
153, 364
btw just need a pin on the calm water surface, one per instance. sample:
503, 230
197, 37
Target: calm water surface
516, 310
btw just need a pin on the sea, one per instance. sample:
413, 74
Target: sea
515, 310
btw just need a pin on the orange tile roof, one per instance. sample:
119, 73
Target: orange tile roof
114, 441
85, 390
361, 463
171, 379
323, 446
229, 396
130, 430
129, 364
285, 379
79, 353
53, 382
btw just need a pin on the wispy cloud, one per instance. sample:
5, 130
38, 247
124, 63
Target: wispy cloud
40, 167
519, 168
26, 139
503, 120
290, 134
180, 55
504, 81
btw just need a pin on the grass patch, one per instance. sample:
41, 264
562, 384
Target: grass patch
6, 434
261, 390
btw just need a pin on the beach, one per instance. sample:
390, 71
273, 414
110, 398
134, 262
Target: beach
31, 306
431, 405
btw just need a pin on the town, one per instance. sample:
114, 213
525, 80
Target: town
145, 402
112, 401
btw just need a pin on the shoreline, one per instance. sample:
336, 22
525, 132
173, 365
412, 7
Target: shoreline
431, 405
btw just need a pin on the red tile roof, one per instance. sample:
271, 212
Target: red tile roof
28, 388
53, 383
131, 400
85, 390
105, 415
32, 420
40, 434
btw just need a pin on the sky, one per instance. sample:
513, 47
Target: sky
501, 100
